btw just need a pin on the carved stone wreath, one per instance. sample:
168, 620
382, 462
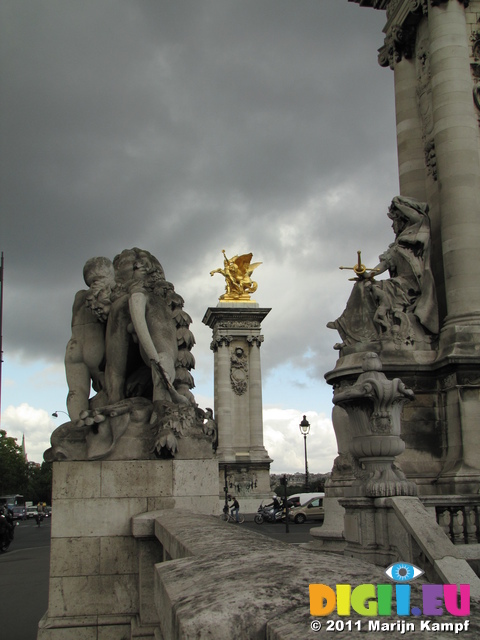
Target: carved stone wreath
239, 371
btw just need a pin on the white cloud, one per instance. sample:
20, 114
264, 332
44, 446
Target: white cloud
35, 424
285, 443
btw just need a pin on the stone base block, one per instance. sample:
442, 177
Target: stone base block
97, 567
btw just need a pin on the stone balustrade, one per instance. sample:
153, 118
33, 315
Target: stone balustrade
458, 516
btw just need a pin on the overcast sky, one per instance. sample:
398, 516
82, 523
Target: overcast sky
186, 127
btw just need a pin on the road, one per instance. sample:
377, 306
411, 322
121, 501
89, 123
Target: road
24, 573
298, 533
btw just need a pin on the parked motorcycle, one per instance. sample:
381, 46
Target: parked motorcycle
266, 514
7, 530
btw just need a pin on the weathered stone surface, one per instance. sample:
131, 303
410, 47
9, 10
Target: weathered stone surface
136, 479
74, 556
76, 480
232, 583
95, 517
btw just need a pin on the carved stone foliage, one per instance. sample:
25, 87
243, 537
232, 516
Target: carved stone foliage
239, 371
374, 405
401, 311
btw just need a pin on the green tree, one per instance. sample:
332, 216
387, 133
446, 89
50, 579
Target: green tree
13, 466
39, 487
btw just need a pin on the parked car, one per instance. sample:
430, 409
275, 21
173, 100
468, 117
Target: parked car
19, 513
303, 498
312, 510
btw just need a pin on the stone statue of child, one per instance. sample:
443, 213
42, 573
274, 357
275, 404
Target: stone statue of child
85, 352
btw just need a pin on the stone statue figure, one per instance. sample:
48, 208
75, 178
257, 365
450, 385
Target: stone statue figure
131, 340
402, 309
237, 272
85, 352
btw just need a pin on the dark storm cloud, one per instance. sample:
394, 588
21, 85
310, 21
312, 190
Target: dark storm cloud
187, 127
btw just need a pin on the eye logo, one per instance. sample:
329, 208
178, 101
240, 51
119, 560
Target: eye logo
403, 572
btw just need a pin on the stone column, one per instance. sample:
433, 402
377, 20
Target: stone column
411, 157
243, 459
458, 167
257, 450
223, 409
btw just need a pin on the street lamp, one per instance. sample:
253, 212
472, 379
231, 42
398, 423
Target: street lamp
305, 430
55, 413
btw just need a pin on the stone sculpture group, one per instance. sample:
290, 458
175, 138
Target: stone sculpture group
131, 343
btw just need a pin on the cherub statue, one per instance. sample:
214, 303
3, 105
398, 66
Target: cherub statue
237, 272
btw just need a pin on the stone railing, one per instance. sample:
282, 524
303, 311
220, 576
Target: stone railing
204, 578
458, 516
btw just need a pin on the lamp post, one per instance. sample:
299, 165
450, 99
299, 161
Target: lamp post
305, 430
55, 413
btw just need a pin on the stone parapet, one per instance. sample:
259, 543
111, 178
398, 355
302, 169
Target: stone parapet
222, 581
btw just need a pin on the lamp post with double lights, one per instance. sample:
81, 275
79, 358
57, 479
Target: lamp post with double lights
305, 430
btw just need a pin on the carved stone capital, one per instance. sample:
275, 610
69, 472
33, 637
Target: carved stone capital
399, 43
255, 340
403, 17
219, 341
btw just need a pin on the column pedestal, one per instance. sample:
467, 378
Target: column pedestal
238, 400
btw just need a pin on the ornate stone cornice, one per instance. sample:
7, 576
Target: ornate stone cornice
234, 317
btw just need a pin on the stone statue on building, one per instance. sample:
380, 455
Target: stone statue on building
131, 342
237, 272
401, 310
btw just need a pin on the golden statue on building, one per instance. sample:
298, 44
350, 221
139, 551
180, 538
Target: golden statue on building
237, 272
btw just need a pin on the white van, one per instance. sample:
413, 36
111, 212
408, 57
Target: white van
302, 498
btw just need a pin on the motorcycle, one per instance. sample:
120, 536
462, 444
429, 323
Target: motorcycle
7, 530
266, 514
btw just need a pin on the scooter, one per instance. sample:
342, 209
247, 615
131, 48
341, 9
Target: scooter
266, 514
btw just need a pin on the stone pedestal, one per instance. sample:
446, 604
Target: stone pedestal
96, 563
238, 400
